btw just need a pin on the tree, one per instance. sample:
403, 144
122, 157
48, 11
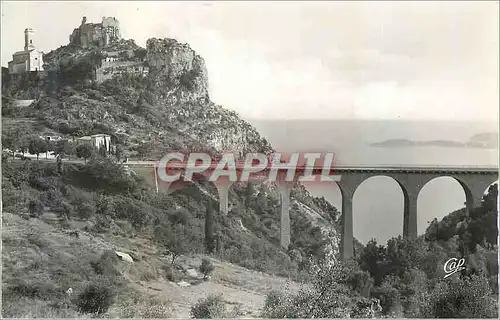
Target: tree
35, 207
15, 140
64, 148
209, 228
24, 144
51, 146
37, 145
84, 151
118, 152
261, 203
206, 268
405, 254
249, 194
8, 143
371, 259
59, 165
63, 209
431, 233
172, 239
180, 216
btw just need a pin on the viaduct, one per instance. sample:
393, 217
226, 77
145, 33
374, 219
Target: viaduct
474, 180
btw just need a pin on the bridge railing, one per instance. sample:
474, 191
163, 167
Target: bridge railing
402, 167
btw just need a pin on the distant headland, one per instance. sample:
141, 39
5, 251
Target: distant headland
488, 140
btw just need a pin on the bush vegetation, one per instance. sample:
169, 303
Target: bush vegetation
211, 307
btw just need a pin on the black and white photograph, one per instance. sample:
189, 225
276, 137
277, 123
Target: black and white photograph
249, 159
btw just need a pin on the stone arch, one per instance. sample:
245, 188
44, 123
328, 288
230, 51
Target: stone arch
349, 183
445, 186
385, 186
473, 185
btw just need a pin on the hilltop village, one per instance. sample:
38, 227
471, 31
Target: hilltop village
106, 38
104, 35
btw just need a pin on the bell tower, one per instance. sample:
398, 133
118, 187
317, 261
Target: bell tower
28, 39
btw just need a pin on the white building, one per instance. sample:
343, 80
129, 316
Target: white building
30, 59
97, 141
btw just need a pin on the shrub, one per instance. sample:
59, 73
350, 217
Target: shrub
103, 223
206, 267
329, 297
33, 289
390, 299
35, 207
272, 305
63, 209
105, 264
209, 308
460, 298
96, 298
102, 174
169, 272
146, 308
84, 151
85, 210
180, 216
11, 196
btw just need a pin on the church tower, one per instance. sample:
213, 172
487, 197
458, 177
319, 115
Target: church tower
28, 39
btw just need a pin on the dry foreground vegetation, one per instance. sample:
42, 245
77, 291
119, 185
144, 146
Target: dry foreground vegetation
94, 239
44, 260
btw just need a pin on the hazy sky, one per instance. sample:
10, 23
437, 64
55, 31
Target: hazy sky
390, 60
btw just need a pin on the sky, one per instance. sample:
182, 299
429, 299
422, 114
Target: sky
302, 60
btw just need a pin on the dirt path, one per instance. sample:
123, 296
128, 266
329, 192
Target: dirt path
183, 298
238, 286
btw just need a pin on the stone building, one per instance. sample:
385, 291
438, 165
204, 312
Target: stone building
96, 34
97, 141
30, 59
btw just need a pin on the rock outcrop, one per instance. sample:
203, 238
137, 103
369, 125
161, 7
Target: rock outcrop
180, 75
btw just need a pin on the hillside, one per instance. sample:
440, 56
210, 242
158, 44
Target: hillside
167, 108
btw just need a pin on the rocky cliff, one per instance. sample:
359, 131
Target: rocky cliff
178, 73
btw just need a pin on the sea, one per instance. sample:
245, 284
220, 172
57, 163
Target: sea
378, 201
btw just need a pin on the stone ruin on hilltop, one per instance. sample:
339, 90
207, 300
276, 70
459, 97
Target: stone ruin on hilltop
96, 34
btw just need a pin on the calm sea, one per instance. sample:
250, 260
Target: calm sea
378, 202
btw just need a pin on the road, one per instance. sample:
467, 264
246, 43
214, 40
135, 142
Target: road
339, 168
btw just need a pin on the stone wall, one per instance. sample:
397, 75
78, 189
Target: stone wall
109, 69
19, 67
